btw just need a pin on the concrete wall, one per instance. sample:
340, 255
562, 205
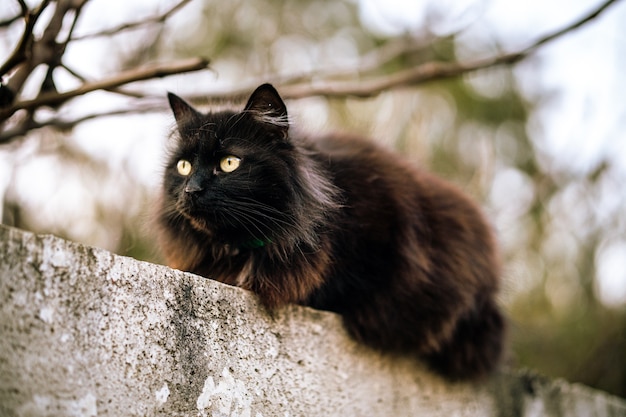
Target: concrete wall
84, 332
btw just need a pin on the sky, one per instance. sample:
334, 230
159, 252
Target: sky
585, 122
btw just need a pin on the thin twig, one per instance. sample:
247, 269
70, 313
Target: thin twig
294, 89
126, 77
19, 53
58, 48
23, 6
30, 124
127, 26
84, 80
428, 72
77, 9
73, 73
556, 34
8, 22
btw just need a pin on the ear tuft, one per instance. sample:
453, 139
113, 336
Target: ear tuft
266, 106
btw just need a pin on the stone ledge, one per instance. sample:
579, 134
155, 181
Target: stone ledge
84, 332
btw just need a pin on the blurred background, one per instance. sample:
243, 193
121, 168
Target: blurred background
541, 143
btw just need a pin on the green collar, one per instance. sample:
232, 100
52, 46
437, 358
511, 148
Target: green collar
255, 244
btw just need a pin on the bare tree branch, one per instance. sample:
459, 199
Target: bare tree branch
19, 54
31, 52
336, 83
133, 25
23, 6
30, 125
84, 80
575, 25
10, 20
48, 84
301, 85
430, 71
126, 77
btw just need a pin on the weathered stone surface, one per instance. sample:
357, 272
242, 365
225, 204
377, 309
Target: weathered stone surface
84, 332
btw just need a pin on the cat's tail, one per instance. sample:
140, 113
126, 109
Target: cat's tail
476, 348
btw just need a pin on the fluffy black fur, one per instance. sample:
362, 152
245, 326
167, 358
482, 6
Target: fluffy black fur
335, 223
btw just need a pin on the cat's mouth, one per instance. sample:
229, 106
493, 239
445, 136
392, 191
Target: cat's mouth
196, 217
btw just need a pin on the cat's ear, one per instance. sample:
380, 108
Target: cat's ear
183, 112
266, 106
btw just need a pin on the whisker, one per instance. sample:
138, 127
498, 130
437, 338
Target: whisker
244, 225
252, 206
275, 220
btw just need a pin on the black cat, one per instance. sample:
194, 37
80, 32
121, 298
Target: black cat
335, 223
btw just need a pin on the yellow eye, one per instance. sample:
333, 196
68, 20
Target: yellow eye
184, 167
230, 163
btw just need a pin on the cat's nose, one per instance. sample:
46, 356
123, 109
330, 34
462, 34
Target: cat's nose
193, 186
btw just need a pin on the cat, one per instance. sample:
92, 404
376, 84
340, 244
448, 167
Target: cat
336, 223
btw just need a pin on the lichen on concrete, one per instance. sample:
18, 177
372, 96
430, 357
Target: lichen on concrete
84, 332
